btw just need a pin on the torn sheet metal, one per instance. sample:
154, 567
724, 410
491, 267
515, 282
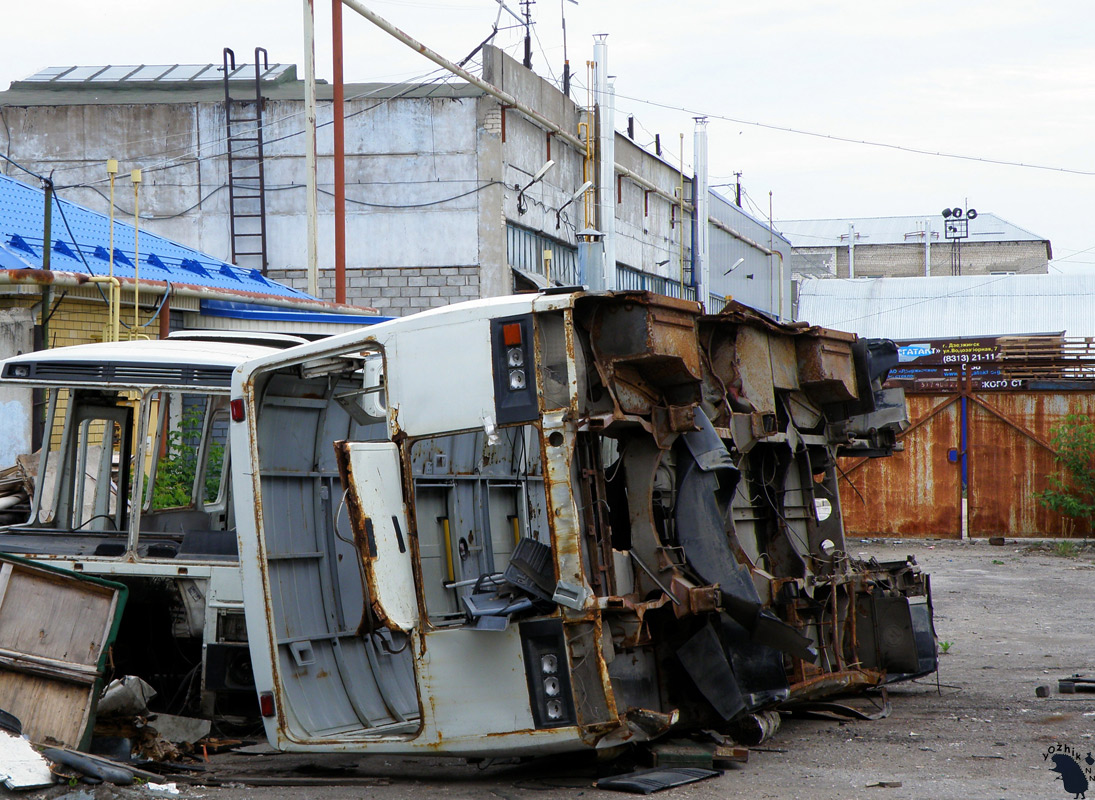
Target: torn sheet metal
648, 781
21, 766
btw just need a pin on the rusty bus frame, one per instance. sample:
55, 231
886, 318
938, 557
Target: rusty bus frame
561, 521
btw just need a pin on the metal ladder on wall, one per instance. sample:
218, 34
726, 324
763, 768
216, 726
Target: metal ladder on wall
246, 170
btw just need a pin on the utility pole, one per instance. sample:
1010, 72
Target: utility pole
528, 32
38, 400
851, 250
566, 61
310, 148
737, 189
47, 235
339, 120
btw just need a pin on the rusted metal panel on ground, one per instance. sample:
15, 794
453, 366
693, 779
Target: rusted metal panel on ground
1009, 462
917, 491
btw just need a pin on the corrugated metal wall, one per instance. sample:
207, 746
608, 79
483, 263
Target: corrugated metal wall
918, 492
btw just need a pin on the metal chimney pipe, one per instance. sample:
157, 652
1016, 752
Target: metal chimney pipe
701, 201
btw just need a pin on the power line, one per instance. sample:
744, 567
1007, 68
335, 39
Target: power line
1077, 253
933, 298
485, 185
17, 165
849, 140
395, 206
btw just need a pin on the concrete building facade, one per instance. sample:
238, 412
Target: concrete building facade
437, 210
897, 247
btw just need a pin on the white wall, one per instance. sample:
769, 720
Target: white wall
16, 336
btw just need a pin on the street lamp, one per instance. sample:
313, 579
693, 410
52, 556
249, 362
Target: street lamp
539, 176
956, 228
585, 187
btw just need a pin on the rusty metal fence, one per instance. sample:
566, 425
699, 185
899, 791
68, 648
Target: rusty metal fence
973, 459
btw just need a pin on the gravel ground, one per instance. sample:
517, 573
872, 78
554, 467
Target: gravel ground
1016, 617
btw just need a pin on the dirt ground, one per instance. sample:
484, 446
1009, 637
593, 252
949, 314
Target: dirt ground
1014, 618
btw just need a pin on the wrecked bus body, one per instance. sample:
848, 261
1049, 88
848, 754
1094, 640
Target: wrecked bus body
132, 484
560, 521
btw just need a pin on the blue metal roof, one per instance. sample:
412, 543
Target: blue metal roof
255, 311
22, 215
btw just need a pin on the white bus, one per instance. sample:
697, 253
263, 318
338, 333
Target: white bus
133, 484
561, 521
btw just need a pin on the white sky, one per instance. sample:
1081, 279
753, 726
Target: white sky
1007, 80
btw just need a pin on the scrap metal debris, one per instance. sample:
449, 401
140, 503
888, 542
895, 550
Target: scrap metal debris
1076, 683
21, 766
648, 781
127, 696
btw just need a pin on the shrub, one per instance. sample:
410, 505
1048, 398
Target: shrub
1072, 491
179, 464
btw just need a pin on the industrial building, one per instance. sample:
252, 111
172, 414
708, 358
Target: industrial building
917, 246
959, 307
449, 192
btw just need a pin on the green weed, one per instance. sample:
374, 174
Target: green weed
1065, 549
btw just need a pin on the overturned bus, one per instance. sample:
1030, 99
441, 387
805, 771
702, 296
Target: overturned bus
132, 483
561, 521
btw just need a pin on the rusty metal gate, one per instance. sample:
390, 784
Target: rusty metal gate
987, 449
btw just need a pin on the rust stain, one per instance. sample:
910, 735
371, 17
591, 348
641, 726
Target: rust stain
358, 525
913, 492
42, 277
917, 492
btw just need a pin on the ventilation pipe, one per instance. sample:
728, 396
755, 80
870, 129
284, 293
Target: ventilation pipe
604, 97
701, 201
591, 259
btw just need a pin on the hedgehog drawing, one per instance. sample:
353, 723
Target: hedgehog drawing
1071, 775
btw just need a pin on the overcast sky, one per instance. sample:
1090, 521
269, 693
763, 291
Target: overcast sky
1003, 81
